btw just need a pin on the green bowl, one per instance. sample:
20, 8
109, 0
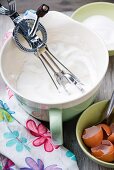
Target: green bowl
95, 8
88, 118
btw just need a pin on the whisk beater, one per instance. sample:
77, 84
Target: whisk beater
62, 75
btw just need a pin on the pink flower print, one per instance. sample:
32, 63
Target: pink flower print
8, 165
7, 35
10, 94
42, 134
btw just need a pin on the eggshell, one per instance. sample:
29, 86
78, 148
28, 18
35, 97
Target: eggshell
112, 127
104, 152
93, 136
111, 137
108, 157
106, 128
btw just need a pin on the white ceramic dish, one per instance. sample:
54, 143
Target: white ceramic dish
105, 9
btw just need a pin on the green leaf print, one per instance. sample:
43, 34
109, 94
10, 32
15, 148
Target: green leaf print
3, 114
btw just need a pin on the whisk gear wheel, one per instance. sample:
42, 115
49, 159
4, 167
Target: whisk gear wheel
34, 42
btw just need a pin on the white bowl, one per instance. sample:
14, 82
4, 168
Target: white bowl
12, 60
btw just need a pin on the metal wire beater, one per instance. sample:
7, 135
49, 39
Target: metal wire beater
62, 75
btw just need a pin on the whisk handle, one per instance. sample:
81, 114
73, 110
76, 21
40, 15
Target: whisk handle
42, 10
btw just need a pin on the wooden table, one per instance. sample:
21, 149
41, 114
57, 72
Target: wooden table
69, 127
59, 5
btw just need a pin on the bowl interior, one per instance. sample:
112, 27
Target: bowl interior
88, 118
12, 59
95, 8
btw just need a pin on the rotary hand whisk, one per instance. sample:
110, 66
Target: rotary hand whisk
29, 28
